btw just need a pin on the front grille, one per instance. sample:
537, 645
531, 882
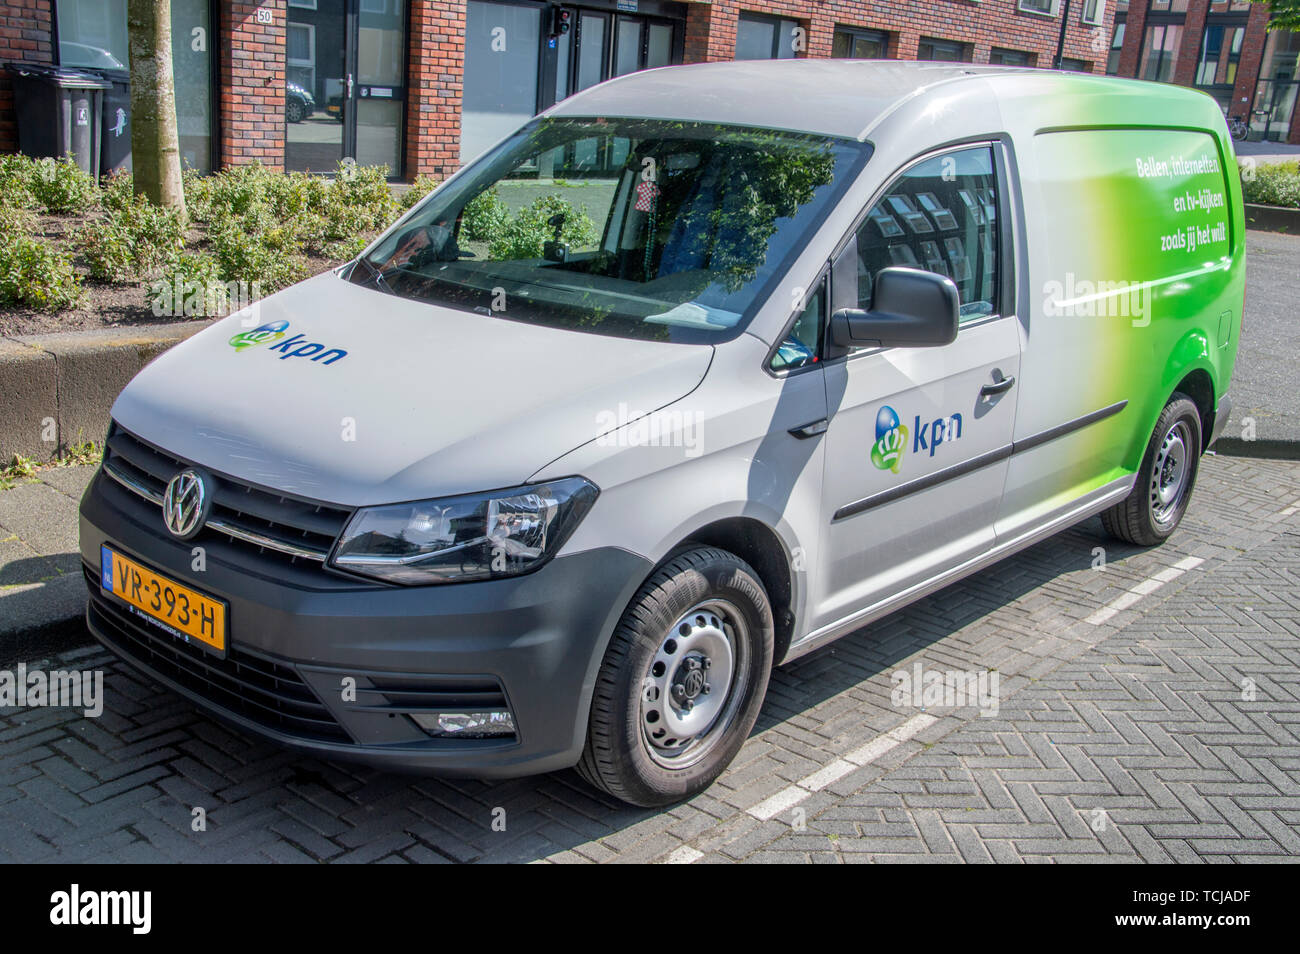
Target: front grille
297, 530
255, 686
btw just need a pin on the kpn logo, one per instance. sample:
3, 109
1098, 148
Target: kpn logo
271, 331
891, 440
296, 347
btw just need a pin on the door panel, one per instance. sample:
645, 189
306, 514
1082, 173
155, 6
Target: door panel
919, 438
381, 83
316, 63
926, 405
349, 59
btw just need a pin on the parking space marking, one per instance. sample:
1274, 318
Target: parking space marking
792, 795
685, 855
1144, 588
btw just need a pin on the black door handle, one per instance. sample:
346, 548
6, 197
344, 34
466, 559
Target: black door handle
998, 387
810, 430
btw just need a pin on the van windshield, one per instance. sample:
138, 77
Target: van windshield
634, 228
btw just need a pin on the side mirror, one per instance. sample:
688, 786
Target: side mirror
910, 308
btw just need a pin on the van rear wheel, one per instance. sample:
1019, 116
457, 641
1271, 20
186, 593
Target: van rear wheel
1153, 509
682, 680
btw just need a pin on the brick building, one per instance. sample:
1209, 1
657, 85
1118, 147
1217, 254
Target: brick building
1220, 46
423, 84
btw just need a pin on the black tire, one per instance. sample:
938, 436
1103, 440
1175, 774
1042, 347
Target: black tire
1142, 518
295, 112
620, 757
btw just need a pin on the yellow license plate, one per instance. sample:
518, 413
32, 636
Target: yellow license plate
183, 612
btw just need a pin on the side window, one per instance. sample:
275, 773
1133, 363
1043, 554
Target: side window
803, 343
939, 215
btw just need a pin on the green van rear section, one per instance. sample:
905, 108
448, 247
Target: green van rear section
1136, 255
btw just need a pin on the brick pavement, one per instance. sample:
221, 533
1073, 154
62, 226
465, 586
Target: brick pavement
1122, 739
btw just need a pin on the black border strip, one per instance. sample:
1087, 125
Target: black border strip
976, 463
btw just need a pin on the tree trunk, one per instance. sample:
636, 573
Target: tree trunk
155, 142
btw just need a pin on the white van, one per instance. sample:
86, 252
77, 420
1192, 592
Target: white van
697, 371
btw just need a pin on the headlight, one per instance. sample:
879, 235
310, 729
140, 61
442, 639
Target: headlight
456, 539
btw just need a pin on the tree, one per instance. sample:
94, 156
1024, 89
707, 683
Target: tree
1285, 14
155, 140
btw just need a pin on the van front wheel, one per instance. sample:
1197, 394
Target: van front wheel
1154, 508
682, 680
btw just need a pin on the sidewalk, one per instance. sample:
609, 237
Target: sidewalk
42, 592
1268, 151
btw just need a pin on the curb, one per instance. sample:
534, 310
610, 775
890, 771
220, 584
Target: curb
1257, 449
1272, 218
46, 639
56, 389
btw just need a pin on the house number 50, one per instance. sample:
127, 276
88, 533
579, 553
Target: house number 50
265, 16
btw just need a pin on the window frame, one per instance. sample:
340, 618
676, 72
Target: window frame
1099, 13
777, 22
967, 49
1035, 12
857, 32
1000, 147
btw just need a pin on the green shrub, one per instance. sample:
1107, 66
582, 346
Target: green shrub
484, 216
525, 235
134, 240
35, 274
259, 251
420, 188
1272, 183
60, 188
360, 200
117, 191
190, 287
16, 174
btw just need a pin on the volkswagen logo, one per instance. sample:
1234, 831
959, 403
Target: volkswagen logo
185, 504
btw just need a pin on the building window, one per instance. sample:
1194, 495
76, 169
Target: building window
1116, 47
1220, 54
947, 51
500, 84
1168, 6
766, 38
1075, 66
1094, 11
92, 34
1003, 57
1045, 8
1160, 51
854, 43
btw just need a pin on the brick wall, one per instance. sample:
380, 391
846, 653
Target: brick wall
252, 83
435, 79
711, 28
26, 36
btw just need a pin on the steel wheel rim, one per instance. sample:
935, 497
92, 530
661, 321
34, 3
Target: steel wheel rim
686, 702
1170, 473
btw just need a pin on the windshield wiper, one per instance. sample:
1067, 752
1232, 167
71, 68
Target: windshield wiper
377, 276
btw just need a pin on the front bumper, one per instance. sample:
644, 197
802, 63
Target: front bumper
297, 634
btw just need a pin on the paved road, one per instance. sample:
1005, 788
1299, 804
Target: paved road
1122, 733
1264, 386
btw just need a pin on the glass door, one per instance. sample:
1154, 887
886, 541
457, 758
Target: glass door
345, 95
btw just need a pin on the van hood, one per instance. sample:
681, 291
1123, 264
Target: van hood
350, 396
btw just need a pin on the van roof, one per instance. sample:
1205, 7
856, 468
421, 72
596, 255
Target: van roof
826, 96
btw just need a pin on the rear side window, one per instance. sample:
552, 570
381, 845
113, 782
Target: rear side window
940, 215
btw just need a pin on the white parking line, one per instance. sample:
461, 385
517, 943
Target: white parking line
685, 855
792, 795
1146, 587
